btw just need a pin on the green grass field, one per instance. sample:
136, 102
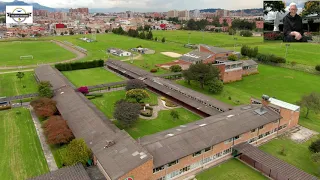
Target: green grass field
10, 85
42, 51
144, 127
296, 154
20, 149
106, 103
232, 169
90, 77
163, 122
284, 84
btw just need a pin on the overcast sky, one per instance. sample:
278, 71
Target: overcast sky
152, 4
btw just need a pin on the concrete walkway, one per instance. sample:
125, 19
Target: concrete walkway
160, 107
45, 147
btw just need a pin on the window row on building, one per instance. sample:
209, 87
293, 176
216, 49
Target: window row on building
266, 134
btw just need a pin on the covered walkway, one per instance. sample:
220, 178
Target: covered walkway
270, 165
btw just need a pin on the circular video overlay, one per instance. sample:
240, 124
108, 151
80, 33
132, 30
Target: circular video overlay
19, 15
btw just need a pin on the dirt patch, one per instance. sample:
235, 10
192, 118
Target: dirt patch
302, 134
171, 54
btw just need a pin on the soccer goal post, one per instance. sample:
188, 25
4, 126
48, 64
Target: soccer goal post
26, 57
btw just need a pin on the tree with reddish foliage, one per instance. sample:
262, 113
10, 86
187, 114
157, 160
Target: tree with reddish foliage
84, 90
44, 107
57, 130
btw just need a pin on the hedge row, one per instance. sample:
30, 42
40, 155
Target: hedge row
270, 58
246, 33
79, 65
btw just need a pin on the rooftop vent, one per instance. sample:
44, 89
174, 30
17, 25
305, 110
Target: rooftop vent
265, 97
183, 126
231, 115
261, 111
109, 144
169, 135
246, 107
135, 153
202, 125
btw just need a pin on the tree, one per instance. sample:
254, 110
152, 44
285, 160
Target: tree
156, 39
44, 89
215, 86
44, 107
203, 73
147, 27
150, 35
126, 113
187, 75
225, 22
175, 68
318, 67
142, 35
311, 102
54, 32
273, 6
61, 34
163, 40
232, 57
20, 75
316, 157
57, 130
174, 114
71, 32
77, 151
135, 84
149, 20
137, 94
310, 7
84, 90
315, 146
192, 25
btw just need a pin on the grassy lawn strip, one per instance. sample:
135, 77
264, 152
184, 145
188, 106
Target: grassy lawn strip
90, 77
232, 169
296, 154
56, 152
106, 103
42, 52
20, 149
163, 122
10, 85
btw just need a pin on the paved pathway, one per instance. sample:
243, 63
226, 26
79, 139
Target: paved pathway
79, 54
160, 107
45, 147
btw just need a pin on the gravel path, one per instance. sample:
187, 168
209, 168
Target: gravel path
160, 107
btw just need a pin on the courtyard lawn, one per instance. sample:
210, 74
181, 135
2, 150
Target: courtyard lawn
10, 85
106, 103
295, 154
42, 52
232, 169
90, 77
20, 149
163, 122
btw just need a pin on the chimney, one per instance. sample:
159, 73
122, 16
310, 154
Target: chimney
265, 100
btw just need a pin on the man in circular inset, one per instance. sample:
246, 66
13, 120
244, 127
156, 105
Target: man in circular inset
292, 26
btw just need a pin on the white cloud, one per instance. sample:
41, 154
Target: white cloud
152, 4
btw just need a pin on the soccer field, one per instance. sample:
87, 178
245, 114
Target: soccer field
20, 149
42, 52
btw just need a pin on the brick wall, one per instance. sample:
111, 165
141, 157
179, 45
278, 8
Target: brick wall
143, 172
232, 76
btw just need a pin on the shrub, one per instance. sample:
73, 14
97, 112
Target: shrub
174, 114
248, 51
293, 63
163, 40
318, 67
90, 97
137, 94
77, 151
44, 89
5, 107
79, 65
246, 33
215, 86
154, 70
83, 89
175, 68
57, 130
148, 112
44, 107
170, 103
232, 57
96, 94
126, 113
232, 32
315, 146
270, 58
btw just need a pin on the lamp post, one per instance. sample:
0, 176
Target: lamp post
287, 45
